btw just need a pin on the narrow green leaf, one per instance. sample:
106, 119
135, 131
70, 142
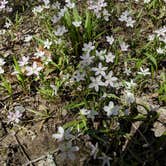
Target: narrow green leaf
152, 59
74, 105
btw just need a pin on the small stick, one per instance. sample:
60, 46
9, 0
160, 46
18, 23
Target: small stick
23, 150
40, 158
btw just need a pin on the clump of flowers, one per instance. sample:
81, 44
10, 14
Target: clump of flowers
125, 16
90, 62
99, 8
65, 138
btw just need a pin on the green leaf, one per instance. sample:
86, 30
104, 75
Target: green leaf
113, 96
20, 76
74, 105
76, 15
68, 19
71, 123
6, 84
88, 24
88, 20
152, 59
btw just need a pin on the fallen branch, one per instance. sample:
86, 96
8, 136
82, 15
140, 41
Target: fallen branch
40, 158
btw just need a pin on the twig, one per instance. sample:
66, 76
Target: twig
16, 94
132, 132
23, 150
144, 106
1, 139
135, 156
141, 134
40, 158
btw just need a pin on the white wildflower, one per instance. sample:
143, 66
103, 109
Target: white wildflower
55, 89
46, 3
15, 72
106, 15
89, 113
62, 12
96, 82
151, 37
1, 70
8, 24
84, 111
130, 22
56, 5
37, 9
130, 84
129, 97
109, 57
100, 70
127, 71
67, 151
55, 19
144, 72
19, 108
2, 31
110, 39
124, 16
97, 7
70, 4
77, 23
39, 54
47, 44
28, 38
160, 50
14, 116
163, 39
92, 114
34, 69
110, 80
24, 61
147, 1
128, 19
101, 54
2, 62
111, 109
62, 134
124, 46
87, 59
106, 160
88, 47
3, 4
161, 31
94, 149
60, 30
79, 76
